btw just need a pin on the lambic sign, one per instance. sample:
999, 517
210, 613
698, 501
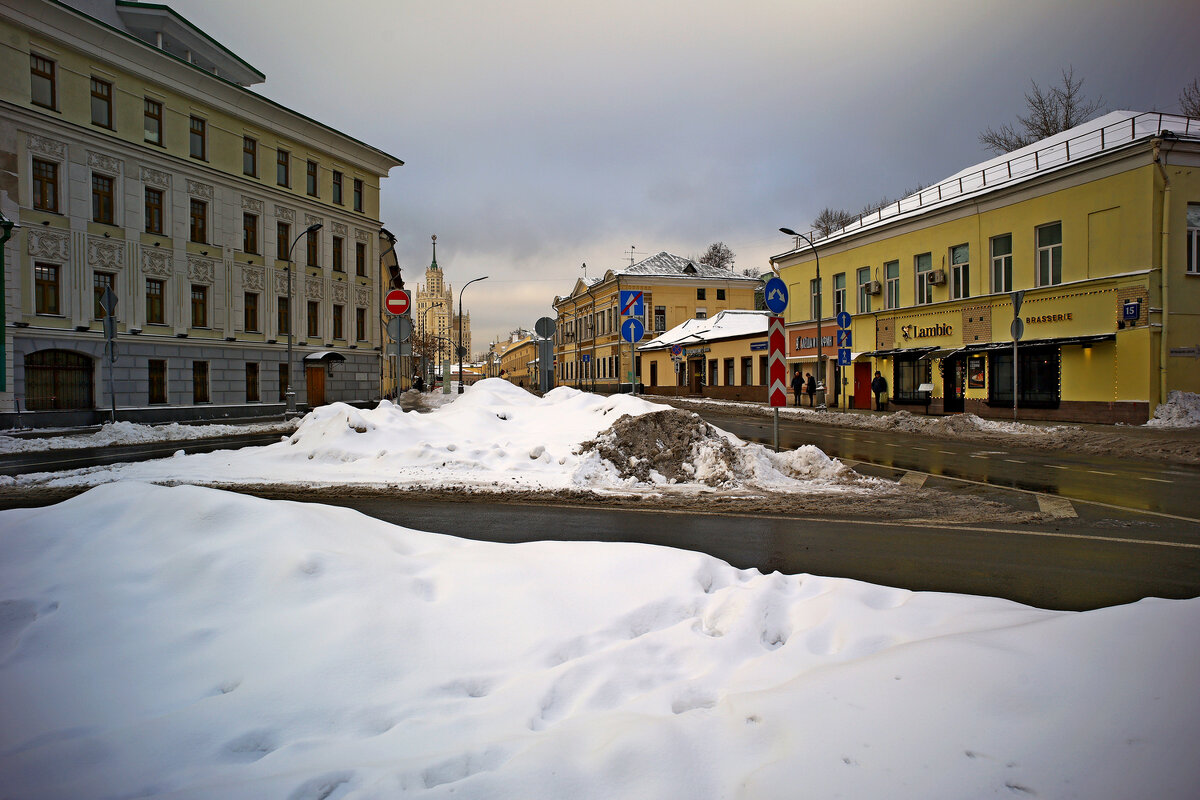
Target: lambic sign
913, 332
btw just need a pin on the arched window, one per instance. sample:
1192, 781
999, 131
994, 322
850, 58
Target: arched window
58, 379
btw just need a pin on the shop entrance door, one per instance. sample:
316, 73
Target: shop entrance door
862, 386
954, 375
314, 386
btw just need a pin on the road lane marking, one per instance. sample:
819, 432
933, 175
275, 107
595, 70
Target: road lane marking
919, 448
1157, 480
1057, 466
916, 480
1098, 472
1057, 507
1014, 461
947, 452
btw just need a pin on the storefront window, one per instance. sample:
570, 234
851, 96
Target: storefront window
908, 373
1037, 380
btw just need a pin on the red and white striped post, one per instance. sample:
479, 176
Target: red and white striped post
776, 369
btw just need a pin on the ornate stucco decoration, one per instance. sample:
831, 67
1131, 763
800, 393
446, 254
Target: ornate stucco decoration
201, 190
314, 289
252, 205
362, 236
362, 296
281, 283
104, 163
252, 278
155, 178
46, 147
105, 254
309, 219
339, 229
339, 292
157, 263
285, 214
54, 245
201, 270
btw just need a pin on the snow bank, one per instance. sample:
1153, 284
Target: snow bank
115, 433
1182, 410
193, 643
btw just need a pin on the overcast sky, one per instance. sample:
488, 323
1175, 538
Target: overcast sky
540, 135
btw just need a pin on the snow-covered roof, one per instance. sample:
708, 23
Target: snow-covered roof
728, 324
1104, 134
664, 264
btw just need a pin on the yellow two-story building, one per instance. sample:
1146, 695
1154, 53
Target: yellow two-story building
1084, 247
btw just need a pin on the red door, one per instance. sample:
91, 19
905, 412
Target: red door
862, 386
314, 386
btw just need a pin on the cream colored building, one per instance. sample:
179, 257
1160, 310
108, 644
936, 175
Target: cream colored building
436, 317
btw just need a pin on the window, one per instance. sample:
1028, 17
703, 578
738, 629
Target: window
700, 294
337, 187
909, 372
924, 265
42, 85
729, 372
360, 324
283, 240
891, 271
199, 381
282, 320
154, 211
199, 139
311, 184
101, 103
283, 382
720, 294
199, 306
358, 195
100, 282
839, 293
1049, 253
360, 259
814, 291
249, 157
152, 121
250, 312
251, 382
46, 289
701, 313
45, 185
312, 247
960, 272
747, 370
155, 290
1193, 239
102, 199
282, 168
338, 265
314, 319
156, 371
660, 319
1037, 378
250, 233
1002, 263
864, 298
199, 221
339, 314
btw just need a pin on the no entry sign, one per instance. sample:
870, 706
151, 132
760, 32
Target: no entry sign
396, 301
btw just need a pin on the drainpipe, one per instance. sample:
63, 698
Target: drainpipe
1157, 142
6, 227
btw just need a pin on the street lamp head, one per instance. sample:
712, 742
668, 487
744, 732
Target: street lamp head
316, 226
788, 231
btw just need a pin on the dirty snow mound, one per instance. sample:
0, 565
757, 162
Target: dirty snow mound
1182, 410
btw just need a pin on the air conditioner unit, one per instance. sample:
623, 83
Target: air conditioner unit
937, 277
874, 287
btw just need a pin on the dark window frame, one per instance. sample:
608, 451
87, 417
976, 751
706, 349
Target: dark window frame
200, 388
45, 185
47, 283
197, 221
156, 292
338, 262
104, 199
153, 201
43, 69
313, 317
360, 259
252, 387
100, 281
250, 156
283, 168
339, 322
101, 100
283, 238
250, 312
198, 138
337, 188
156, 376
358, 194
249, 233
199, 305
312, 178
152, 112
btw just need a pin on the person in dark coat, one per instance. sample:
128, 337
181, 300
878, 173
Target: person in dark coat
797, 386
811, 387
418, 383
879, 387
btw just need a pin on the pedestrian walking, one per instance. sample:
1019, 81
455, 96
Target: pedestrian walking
797, 386
418, 383
879, 387
810, 385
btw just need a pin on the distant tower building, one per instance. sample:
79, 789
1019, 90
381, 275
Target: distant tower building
436, 316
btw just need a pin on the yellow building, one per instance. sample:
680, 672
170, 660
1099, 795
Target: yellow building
589, 351
723, 357
1097, 228
139, 161
518, 363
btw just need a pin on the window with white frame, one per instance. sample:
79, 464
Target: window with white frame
1002, 263
1049, 254
960, 272
839, 293
891, 271
1193, 238
924, 265
864, 297
814, 288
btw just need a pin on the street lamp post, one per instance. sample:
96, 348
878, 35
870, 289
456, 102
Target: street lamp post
291, 392
820, 357
461, 377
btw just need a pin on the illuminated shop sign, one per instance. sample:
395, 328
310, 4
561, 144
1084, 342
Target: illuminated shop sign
810, 342
1050, 318
914, 332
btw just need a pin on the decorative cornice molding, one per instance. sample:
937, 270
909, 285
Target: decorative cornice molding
202, 190
201, 270
54, 245
250, 204
104, 163
157, 263
285, 214
309, 219
46, 147
361, 235
339, 228
155, 178
105, 254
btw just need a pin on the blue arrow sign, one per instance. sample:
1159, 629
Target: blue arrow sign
632, 330
843, 319
843, 356
775, 293
633, 303
843, 337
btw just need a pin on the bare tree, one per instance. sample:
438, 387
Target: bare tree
718, 255
1049, 111
1189, 100
832, 219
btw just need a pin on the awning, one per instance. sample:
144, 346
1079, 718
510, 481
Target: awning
1060, 341
325, 357
942, 352
901, 351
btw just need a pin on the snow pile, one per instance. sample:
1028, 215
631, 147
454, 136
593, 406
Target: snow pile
117, 433
495, 437
194, 643
956, 425
1182, 410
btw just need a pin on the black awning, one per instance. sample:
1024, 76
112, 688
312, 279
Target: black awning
1059, 341
910, 351
324, 357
